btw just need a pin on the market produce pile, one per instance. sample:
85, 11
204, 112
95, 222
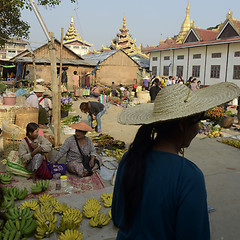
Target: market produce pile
211, 130
107, 142
70, 120
232, 142
46, 215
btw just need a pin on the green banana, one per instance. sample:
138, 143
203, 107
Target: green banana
12, 234
29, 231
36, 190
17, 225
23, 222
18, 236
6, 235
22, 194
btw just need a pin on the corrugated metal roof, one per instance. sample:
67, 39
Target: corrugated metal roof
96, 57
64, 61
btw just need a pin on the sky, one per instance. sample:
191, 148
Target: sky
98, 21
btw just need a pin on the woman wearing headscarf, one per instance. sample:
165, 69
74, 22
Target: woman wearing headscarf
80, 150
159, 194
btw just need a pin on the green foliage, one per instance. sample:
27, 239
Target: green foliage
10, 14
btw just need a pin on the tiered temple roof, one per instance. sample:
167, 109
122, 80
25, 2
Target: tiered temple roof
124, 41
72, 36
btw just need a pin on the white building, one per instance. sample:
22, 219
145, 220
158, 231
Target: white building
212, 56
74, 42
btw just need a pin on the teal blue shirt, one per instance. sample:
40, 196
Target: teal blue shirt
174, 201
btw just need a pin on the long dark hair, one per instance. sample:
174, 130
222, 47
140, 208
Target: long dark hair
133, 178
31, 127
135, 161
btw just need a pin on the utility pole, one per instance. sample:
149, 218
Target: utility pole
34, 65
52, 53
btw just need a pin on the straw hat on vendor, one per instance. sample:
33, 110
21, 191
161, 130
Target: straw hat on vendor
39, 89
154, 170
80, 150
82, 126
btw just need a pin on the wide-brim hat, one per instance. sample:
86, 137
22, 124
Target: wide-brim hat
88, 73
178, 101
39, 88
82, 126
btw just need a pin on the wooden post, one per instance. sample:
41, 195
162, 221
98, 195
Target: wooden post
52, 53
34, 65
59, 85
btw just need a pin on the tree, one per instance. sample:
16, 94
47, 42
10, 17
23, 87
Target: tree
10, 13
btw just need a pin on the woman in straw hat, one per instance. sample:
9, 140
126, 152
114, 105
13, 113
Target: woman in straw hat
81, 153
159, 194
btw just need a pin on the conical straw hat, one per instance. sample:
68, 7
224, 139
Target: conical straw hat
178, 101
82, 126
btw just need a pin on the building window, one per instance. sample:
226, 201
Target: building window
84, 47
179, 71
216, 55
154, 58
237, 54
236, 72
166, 58
180, 57
75, 46
196, 56
165, 70
215, 71
195, 71
154, 70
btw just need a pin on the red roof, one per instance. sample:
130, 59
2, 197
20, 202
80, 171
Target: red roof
206, 35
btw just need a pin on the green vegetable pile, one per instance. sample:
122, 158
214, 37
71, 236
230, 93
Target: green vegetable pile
71, 120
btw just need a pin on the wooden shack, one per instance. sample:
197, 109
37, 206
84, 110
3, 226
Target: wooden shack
70, 61
114, 66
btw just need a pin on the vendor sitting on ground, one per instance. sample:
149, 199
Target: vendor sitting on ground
32, 149
76, 146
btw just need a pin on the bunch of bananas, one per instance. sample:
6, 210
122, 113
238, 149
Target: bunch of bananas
33, 205
232, 142
18, 213
43, 210
99, 220
91, 207
41, 186
7, 203
44, 231
5, 178
45, 199
60, 207
17, 229
215, 134
118, 153
71, 219
71, 235
107, 199
15, 192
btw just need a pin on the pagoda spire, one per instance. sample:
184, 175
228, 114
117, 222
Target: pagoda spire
71, 33
186, 25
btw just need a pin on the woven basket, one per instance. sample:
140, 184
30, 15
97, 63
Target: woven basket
26, 115
12, 136
7, 114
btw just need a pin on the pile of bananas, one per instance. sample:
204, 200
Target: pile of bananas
118, 153
99, 220
91, 207
5, 178
15, 213
232, 142
33, 205
46, 220
107, 199
71, 219
41, 186
19, 228
71, 235
15, 193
